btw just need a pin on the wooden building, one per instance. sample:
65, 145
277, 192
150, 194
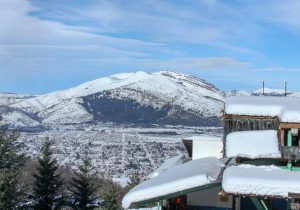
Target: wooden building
245, 117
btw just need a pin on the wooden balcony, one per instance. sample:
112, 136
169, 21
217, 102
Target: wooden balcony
290, 153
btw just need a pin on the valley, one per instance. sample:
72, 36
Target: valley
115, 151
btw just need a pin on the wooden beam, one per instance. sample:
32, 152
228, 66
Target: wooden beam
282, 137
289, 125
232, 116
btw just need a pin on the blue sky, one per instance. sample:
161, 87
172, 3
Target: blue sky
235, 44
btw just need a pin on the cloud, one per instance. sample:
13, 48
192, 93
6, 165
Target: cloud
203, 64
79, 40
17, 26
29, 43
278, 70
208, 23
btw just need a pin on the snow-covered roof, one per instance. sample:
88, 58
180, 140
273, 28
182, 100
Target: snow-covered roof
260, 180
204, 138
286, 108
169, 163
192, 174
253, 144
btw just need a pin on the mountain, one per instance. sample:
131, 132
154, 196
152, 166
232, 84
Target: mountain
270, 92
11, 98
237, 93
164, 98
295, 94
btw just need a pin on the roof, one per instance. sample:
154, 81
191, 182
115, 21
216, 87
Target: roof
287, 109
253, 144
270, 181
169, 163
192, 174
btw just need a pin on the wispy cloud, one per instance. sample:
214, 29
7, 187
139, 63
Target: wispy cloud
200, 64
80, 40
278, 70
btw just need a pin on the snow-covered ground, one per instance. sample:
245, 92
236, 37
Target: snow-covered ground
115, 151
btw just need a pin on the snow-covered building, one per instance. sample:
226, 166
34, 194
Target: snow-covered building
194, 180
262, 134
255, 166
177, 181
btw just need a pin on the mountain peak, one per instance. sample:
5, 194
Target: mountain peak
163, 97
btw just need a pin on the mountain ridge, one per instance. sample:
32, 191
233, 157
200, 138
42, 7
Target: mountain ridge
149, 98
163, 98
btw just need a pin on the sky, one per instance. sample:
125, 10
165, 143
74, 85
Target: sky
234, 44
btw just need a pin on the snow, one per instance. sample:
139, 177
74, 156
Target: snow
19, 119
150, 89
66, 112
10, 98
237, 93
206, 146
286, 108
189, 175
98, 85
169, 163
253, 144
260, 180
122, 181
296, 94
269, 91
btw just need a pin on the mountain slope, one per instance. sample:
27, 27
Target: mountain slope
136, 98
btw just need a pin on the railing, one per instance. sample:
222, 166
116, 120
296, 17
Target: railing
290, 153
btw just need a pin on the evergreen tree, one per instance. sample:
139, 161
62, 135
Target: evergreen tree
47, 182
110, 194
83, 186
11, 162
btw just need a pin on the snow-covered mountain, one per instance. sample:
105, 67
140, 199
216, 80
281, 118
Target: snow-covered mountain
270, 92
295, 94
237, 93
137, 98
10, 98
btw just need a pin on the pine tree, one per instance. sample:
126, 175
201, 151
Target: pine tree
83, 186
47, 182
11, 162
111, 196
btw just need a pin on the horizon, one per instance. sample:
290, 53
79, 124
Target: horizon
49, 46
267, 88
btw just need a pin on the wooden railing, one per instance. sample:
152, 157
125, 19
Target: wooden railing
290, 153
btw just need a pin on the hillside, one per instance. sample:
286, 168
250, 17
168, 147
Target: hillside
163, 98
